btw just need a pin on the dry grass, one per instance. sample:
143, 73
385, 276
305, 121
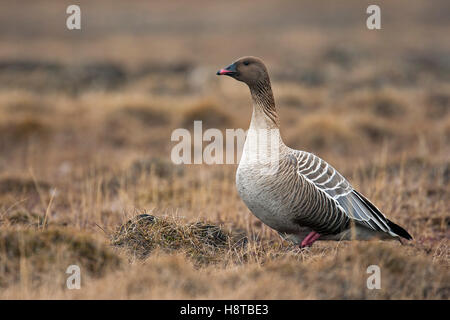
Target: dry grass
203, 243
37, 257
85, 126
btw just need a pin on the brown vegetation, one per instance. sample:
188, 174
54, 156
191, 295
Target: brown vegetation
85, 126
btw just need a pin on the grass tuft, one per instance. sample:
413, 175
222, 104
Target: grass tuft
203, 243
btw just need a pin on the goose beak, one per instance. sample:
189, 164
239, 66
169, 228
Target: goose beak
228, 71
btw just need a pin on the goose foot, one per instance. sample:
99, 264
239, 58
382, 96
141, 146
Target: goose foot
309, 240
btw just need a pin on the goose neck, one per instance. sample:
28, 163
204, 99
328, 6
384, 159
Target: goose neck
264, 111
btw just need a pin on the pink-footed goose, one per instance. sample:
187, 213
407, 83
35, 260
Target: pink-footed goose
305, 198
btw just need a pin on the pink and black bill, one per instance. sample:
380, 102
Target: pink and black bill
228, 71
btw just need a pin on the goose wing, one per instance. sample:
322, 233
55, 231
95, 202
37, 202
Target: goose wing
328, 181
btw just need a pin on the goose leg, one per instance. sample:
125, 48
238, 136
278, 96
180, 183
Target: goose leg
310, 238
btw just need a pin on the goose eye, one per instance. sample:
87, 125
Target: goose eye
246, 63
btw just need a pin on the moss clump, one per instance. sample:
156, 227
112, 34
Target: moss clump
202, 242
47, 253
21, 217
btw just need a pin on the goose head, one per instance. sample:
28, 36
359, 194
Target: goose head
250, 70
253, 72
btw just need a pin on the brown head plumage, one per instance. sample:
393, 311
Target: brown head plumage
250, 70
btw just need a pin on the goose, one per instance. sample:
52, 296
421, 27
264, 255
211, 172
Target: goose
295, 192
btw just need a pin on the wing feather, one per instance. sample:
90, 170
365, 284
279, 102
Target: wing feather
330, 182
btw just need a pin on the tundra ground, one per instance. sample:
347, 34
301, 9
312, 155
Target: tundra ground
85, 124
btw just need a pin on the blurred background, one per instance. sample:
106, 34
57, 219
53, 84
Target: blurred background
86, 115
137, 70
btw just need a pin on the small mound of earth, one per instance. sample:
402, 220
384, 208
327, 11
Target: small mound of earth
21, 217
202, 242
46, 253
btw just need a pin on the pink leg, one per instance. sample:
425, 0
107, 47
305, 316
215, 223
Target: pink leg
309, 240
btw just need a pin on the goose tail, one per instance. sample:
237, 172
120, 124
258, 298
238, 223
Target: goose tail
395, 228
